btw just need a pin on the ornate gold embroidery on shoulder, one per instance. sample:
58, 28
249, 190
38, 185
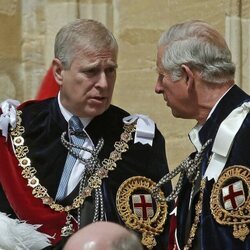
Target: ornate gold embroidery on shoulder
230, 203
139, 210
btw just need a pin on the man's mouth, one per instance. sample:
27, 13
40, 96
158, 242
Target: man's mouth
99, 99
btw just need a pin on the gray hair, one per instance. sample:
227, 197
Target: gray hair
86, 34
197, 45
128, 241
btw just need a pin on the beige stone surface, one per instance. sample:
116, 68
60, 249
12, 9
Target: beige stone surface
139, 28
245, 66
28, 28
8, 7
245, 9
10, 50
237, 33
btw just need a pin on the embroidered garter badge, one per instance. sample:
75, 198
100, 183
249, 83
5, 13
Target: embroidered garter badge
139, 210
143, 205
230, 203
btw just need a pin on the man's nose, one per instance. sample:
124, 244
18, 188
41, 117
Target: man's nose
158, 87
102, 81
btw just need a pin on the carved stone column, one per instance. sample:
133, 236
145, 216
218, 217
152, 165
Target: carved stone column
237, 33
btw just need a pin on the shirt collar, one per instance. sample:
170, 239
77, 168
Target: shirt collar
194, 133
194, 136
67, 115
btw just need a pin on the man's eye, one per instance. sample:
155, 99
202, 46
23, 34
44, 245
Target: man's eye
90, 71
110, 70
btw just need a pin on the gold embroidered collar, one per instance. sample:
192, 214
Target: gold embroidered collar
95, 181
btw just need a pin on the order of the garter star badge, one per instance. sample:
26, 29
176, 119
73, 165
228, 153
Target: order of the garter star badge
230, 203
139, 210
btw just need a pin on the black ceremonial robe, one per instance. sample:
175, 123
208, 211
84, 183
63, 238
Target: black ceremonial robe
210, 233
44, 124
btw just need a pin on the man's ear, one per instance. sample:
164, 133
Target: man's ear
189, 76
57, 70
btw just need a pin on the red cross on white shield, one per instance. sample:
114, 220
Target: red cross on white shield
233, 195
143, 205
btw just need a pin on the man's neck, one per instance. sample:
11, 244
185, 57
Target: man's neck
210, 99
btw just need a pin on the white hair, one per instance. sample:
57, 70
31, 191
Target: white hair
197, 45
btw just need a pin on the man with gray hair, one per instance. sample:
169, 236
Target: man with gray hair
196, 79
63, 159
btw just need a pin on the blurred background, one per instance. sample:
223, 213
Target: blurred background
28, 28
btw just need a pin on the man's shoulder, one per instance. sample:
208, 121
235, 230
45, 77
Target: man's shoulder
115, 110
39, 113
28, 106
33, 108
119, 113
113, 115
11, 110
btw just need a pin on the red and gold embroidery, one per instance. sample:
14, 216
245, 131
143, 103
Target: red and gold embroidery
230, 203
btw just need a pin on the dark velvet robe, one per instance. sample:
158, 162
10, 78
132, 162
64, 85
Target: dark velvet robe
44, 124
211, 234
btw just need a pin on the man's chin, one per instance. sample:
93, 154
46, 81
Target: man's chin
175, 114
96, 111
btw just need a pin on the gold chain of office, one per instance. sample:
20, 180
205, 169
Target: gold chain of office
95, 181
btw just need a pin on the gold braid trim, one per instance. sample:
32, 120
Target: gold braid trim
95, 181
198, 210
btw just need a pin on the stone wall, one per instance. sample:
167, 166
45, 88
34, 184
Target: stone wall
28, 28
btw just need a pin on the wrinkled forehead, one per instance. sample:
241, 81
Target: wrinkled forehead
92, 59
93, 51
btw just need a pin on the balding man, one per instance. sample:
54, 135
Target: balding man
105, 236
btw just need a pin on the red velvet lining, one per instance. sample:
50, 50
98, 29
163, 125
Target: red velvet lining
26, 206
